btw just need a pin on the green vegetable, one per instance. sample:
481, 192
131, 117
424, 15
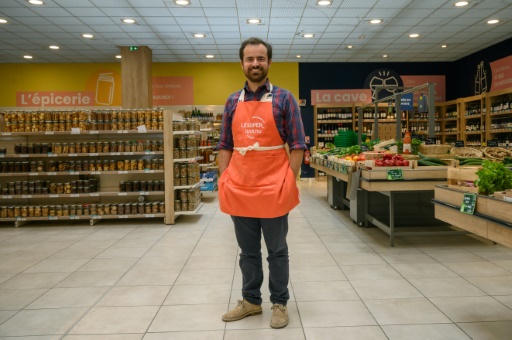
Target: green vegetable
493, 177
425, 162
416, 141
330, 146
433, 160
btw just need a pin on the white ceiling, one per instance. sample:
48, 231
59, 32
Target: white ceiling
167, 29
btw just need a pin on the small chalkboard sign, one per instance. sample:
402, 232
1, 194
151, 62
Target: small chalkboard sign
492, 143
468, 203
430, 141
395, 174
459, 144
364, 148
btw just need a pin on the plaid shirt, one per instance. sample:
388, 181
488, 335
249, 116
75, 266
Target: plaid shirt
286, 115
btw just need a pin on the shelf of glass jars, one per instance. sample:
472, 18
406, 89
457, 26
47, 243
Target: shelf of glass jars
92, 194
77, 173
83, 132
500, 113
91, 154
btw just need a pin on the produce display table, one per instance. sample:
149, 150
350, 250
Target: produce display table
491, 219
393, 203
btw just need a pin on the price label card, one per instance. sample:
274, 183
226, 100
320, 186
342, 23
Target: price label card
93, 154
149, 171
115, 153
459, 144
122, 172
21, 219
74, 195
395, 174
8, 197
52, 155
141, 128
53, 218
54, 196
33, 173
128, 153
23, 155
95, 172
51, 173
93, 132
123, 216
122, 194
26, 196
2, 155
74, 217
149, 215
72, 155
48, 133
75, 131
94, 195
492, 143
6, 134
468, 204
430, 141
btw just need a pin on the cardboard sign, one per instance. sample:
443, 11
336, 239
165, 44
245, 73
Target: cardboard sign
395, 174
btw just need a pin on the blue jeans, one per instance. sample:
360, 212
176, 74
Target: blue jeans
248, 234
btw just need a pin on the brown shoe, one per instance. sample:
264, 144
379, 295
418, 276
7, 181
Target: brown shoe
279, 316
243, 309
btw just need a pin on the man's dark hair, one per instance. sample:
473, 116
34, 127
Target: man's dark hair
255, 41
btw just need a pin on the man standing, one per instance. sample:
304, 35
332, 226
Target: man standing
257, 187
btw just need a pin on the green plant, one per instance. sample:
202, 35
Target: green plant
493, 176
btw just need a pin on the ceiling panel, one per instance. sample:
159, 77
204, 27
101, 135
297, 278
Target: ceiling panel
162, 25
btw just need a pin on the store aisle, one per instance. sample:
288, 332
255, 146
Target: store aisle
146, 280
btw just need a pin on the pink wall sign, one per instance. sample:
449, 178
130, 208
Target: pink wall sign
173, 91
440, 87
501, 73
337, 97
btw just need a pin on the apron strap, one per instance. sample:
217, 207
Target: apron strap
256, 147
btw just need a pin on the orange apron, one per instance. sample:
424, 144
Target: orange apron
258, 181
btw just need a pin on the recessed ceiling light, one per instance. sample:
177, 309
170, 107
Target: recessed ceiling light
254, 21
298, 56
308, 35
182, 2
118, 56
414, 35
199, 35
375, 21
444, 46
54, 47
88, 36
36, 2
3, 21
461, 3
362, 36
323, 2
129, 21
384, 56
493, 21
27, 57
349, 46
210, 56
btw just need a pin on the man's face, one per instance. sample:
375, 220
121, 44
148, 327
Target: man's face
255, 63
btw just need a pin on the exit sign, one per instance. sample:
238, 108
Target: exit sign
134, 48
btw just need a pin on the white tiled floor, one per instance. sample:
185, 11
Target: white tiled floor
144, 280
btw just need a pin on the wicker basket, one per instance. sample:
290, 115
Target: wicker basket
466, 152
497, 153
435, 149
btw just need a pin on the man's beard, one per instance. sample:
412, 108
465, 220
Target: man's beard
256, 78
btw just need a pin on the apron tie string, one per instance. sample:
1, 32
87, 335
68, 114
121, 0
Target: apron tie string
256, 147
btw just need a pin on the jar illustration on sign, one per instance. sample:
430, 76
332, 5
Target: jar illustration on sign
105, 89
